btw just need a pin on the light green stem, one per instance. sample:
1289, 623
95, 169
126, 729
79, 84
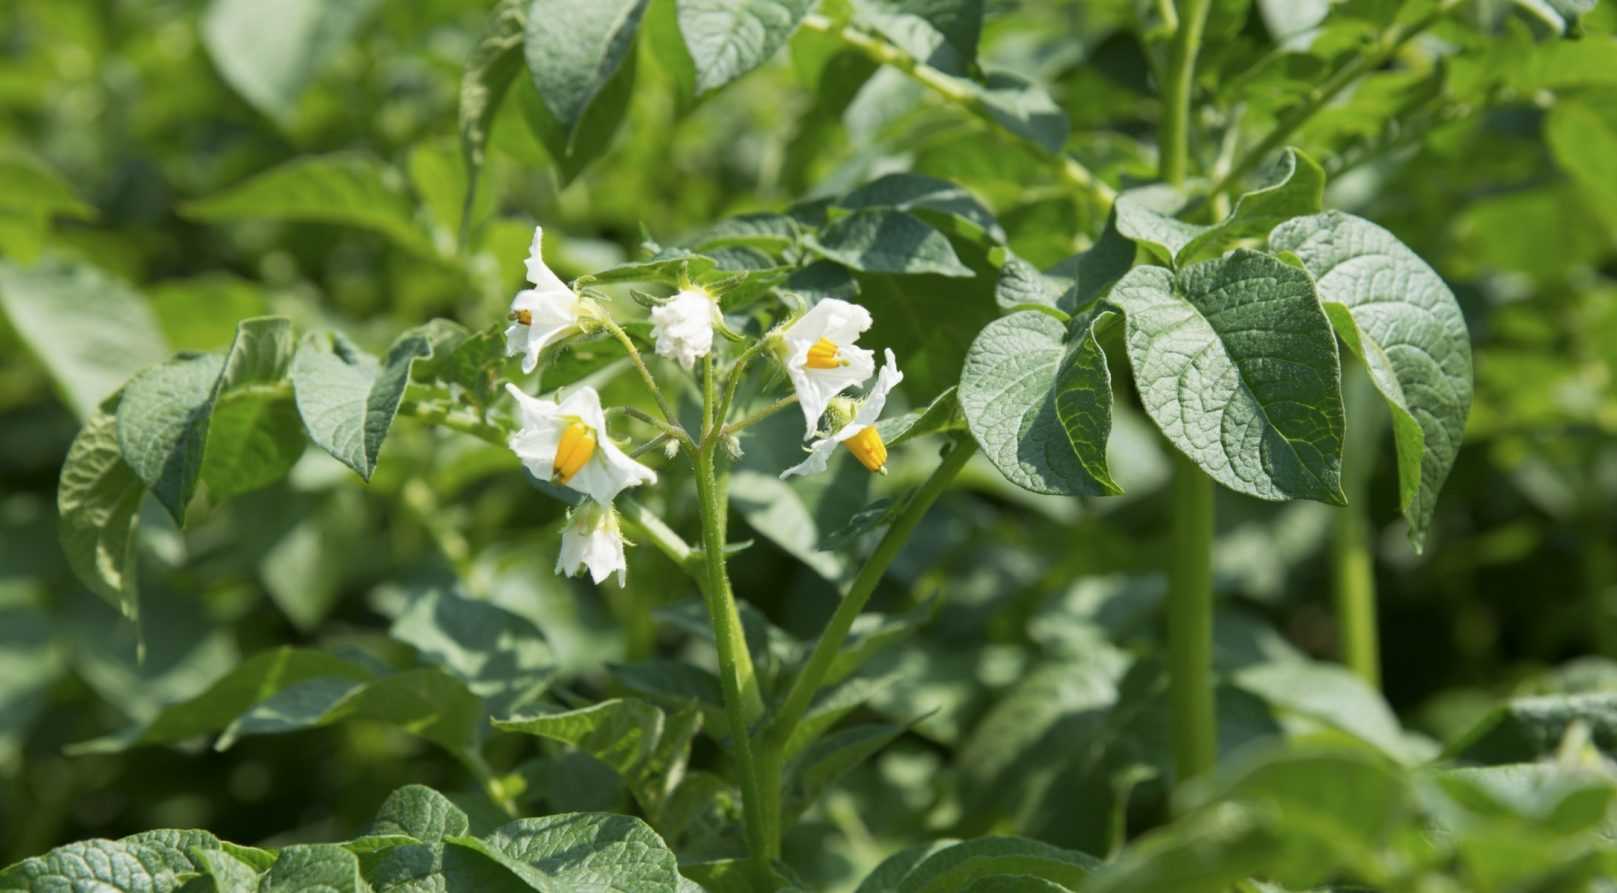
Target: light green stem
1190, 575
1354, 574
1190, 622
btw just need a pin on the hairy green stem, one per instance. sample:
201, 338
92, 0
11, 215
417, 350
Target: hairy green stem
675, 428
1352, 558
958, 92
1190, 574
1372, 58
1190, 622
758, 415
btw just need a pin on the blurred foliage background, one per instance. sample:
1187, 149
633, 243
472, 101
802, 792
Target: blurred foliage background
118, 116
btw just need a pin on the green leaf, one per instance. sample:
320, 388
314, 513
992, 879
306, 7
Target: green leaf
1581, 136
201, 312
1206, 853
957, 867
99, 865
420, 812
1023, 386
228, 697
494, 64
1236, 363
163, 426
573, 49
1071, 285
502, 656
583, 851
31, 187
228, 873
1527, 729
1396, 314
322, 867
884, 241
98, 503
928, 198
1146, 214
443, 867
728, 38
348, 399
349, 189
255, 435
637, 740
1022, 107
1329, 694
891, 872
90, 331
1014, 883
941, 33
941, 415
831, 757
271, 58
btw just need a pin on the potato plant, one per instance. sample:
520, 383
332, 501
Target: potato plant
755, 445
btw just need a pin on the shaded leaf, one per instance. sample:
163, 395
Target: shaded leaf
348, 399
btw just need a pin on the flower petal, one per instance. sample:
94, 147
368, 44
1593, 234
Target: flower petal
585, 403
539, 273
818, 458
870, 410
684, 326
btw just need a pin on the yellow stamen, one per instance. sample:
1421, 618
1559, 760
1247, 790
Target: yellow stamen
822, 354
575, 449
868, 448
525, 317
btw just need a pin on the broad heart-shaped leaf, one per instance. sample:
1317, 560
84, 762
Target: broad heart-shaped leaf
163, 426
1147, 214
1072, 284
347, 398
956, 867
582, 852
90, 331
927, 197
270, 58
1236, 363
495, 63
441, 867
728, 38
99, 865
420, 812
1395, 313
573, 49
351, 189
886, 241
1041, 409
941, 33
97, 503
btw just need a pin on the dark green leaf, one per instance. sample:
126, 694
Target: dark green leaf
955, 868
941, 33
882, 241
927, 197
98, 502
574, 48
163, 423
494, 64
347, 399
728, 38
322, 867
583, 851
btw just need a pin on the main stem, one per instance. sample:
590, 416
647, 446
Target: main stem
1190, 622
1356, 592
1190, 577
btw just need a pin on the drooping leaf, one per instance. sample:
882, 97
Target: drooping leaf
1039, 407
885, 241
90, 331
495, 63
573, 50
928, 198
350, 189
1395, 313
163, 422
98, 502
941, 33
271, 59
347, 398
728, 38
1236, 363
942, 414
254, 436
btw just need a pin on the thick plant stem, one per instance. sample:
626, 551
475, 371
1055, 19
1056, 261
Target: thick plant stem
1355, 584
1190, 575
1190, 622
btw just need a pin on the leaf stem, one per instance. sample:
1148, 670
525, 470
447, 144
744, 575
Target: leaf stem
950, 88
1385, 47
1190, 622
758, 415
675, 428
809, 679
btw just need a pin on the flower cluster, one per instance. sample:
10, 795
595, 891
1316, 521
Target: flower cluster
566, 442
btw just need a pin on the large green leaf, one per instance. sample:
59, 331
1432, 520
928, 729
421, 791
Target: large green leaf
1206, 854
728, 38
502, 656
930, 198
350, 189
583, 852
322, 867
98, 865
270, 56
886, 241
1147, 214
1395, 313
348, 398
254, 436
420, 812
163, 423
942, 33
494, 64
98, 502
90, 331
573, 49
1236, 363
954, 868
1039, 407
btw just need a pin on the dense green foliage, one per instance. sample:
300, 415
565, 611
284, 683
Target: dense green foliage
269, 567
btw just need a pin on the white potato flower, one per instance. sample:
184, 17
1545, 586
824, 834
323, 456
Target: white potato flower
859, 435
541, 315
684, 326
566, 443
593, 541
821, 356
